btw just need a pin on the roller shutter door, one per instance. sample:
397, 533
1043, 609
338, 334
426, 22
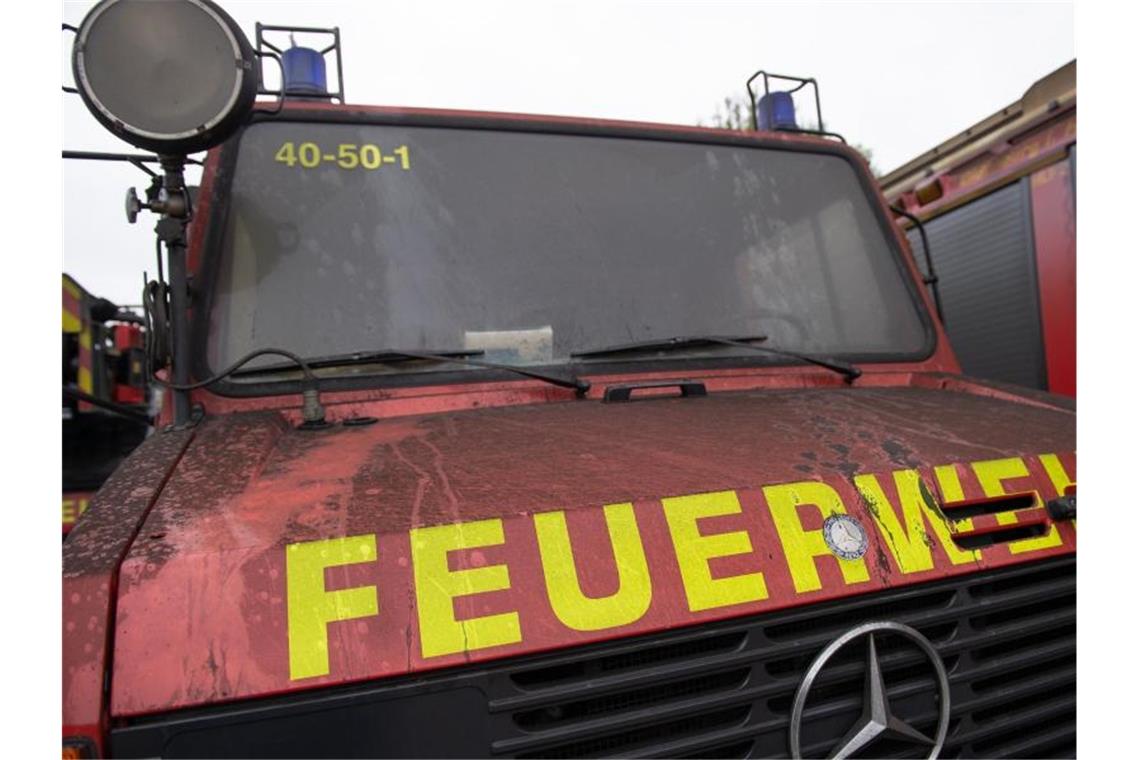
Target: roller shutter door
987, 277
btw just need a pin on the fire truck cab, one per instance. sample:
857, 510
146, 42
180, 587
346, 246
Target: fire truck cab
527, 436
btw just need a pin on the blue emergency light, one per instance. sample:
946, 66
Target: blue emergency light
776, 111
304, 71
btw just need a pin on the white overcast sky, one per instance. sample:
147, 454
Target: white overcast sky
896, 77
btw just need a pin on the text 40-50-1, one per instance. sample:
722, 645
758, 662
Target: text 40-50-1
309, 155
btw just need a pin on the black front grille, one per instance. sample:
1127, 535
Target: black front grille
1007, 639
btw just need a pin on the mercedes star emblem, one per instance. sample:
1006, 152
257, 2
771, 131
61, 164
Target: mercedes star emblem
877, 719
845, 536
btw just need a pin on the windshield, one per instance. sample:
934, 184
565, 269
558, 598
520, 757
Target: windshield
531, 246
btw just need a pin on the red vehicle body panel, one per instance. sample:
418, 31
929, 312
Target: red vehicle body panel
91, 559
202, 611
1030, 138
202, 520
1055, 233
1038, 145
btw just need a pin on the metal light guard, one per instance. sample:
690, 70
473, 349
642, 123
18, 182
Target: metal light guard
801, 82
266, 49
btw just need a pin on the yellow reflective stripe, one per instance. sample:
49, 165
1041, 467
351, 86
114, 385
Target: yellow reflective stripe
85, 383
72, 288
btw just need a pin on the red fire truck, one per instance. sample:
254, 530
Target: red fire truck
105, 404
998, 202
525, 436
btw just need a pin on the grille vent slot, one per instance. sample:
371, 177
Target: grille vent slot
615, 744
981, 540
977, 537
961, 510
871, 608
539, 678
535, 719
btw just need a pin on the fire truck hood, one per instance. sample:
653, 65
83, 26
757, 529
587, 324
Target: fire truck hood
278, 559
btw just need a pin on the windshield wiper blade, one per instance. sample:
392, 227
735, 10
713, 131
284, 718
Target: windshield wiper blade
668, 344
355, 357
849, 371
385, 355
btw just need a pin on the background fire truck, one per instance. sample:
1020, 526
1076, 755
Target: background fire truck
998, 202
104, 393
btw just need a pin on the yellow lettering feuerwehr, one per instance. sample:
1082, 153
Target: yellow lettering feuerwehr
437, 586
694, 551
906, 539
575, 609
312, 608
1057, 475
801, 547
1056, 472
951, 488
990, 474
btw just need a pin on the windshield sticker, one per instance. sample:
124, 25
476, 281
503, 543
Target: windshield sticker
443, 594
534, 346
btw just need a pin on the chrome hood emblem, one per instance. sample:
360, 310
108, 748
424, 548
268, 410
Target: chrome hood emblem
876, 720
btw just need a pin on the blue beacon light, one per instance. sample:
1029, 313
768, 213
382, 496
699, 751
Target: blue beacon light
776, 111
304, 71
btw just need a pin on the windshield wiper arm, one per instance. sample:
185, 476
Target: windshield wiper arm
385, 355
668, 344
849, 371
355, 357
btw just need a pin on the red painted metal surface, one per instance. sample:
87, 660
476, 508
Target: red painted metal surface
990, 168
389, 402
127, 336
125, 394
91, 557
202, 613
201, 521
1055, 238
1040, 151
128, 342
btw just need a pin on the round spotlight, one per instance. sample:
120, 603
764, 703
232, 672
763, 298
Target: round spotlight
174, 77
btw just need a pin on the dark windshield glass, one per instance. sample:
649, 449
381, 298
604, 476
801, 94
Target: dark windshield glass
531, 246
